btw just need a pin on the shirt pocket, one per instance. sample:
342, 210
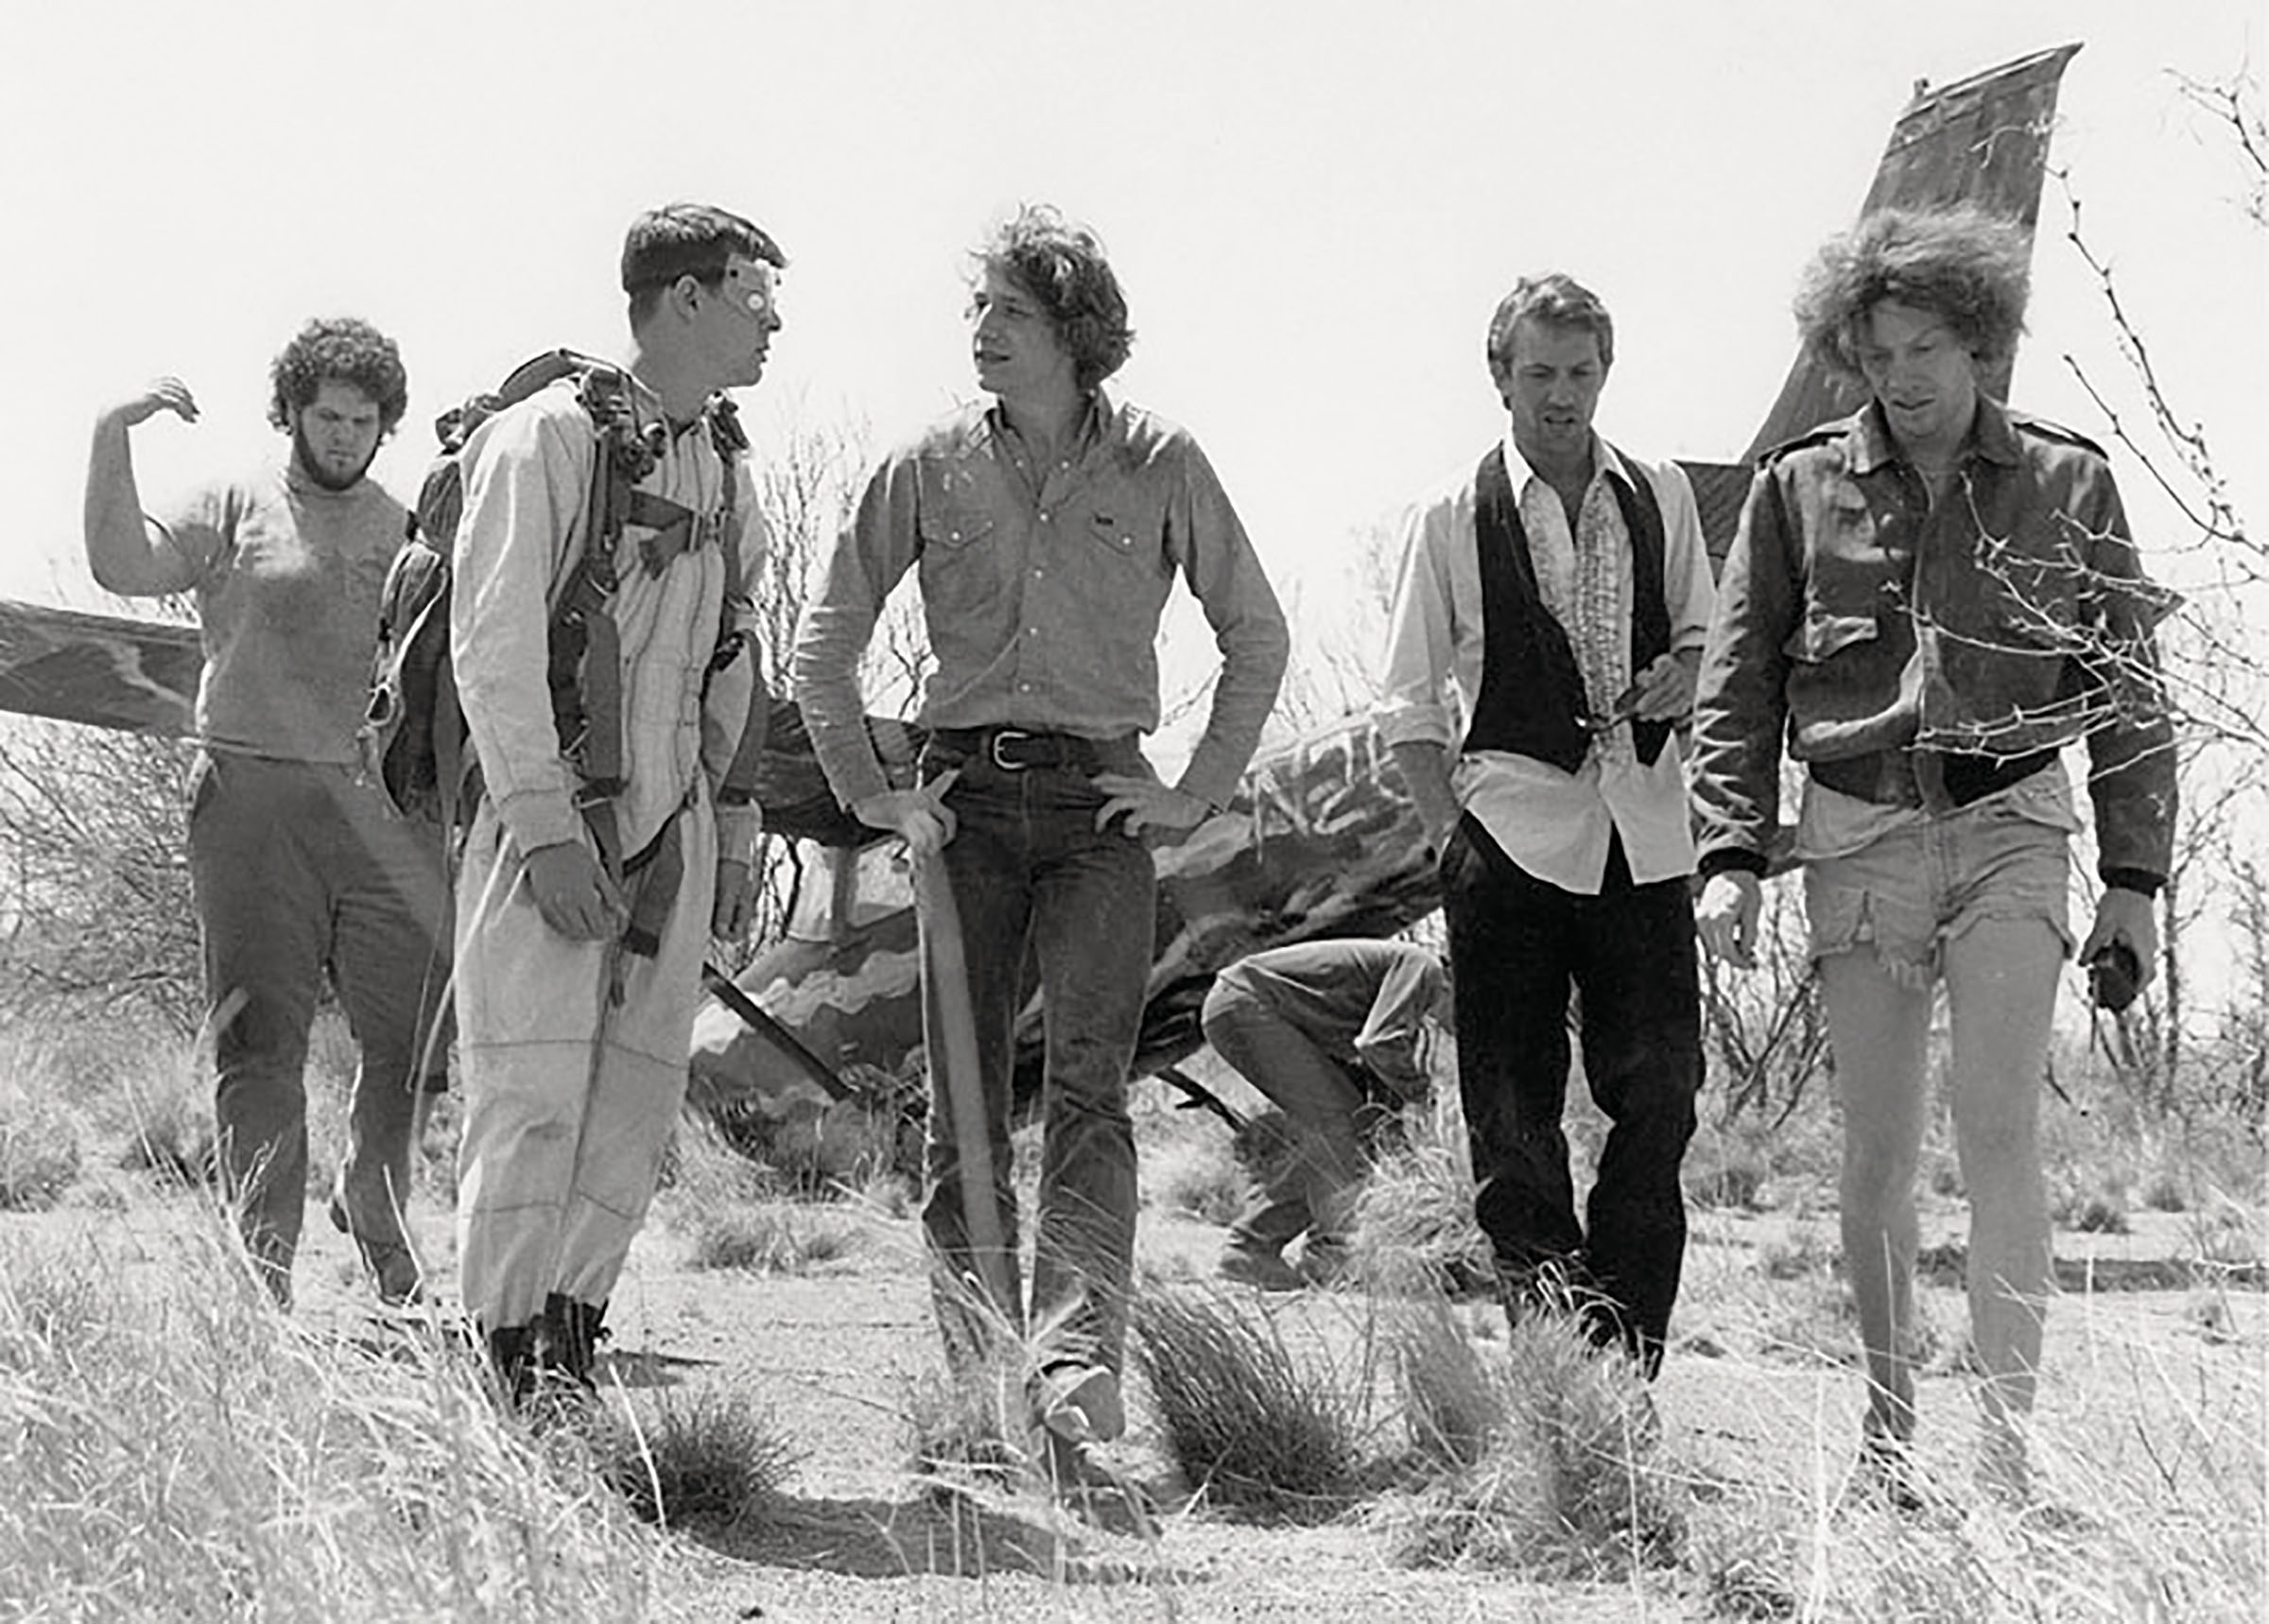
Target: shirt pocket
956, 528
1120, 525
965, 543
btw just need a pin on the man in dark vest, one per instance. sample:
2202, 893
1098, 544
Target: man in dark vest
1547, 628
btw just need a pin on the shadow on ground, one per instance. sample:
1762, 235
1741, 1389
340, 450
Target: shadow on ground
933, 1535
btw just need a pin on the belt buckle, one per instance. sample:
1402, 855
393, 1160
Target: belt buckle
1007, 735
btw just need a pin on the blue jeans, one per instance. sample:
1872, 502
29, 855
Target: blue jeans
1517, 946
299, 872
1034, 878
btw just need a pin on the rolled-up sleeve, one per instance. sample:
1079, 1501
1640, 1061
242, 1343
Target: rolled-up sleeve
1416, 685
1224, 575
873, 552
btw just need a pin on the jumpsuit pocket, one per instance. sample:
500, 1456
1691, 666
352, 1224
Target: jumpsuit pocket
1823, 633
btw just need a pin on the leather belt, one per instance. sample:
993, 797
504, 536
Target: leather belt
1019, 749
1888, 777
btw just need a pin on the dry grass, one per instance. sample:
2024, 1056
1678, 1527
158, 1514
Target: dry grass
700, 1457
1414, 1223
176, 1449
1539, 1456
179, 1449
1245, 1422
774, 1238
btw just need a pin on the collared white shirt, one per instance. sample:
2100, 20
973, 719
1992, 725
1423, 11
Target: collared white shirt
1554, 824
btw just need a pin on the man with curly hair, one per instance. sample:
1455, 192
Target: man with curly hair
1928, 600
1047, 529
298, 866
1547, 625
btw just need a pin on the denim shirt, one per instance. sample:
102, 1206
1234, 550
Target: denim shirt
1042, 590
1861, 618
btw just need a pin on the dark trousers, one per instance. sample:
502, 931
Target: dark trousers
1517, 947
302, 872
1032, 876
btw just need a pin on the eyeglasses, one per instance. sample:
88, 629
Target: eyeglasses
751, 290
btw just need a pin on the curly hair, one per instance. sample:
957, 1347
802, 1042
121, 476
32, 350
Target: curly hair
349, 351
1969, 268
1063, 267
1557, 300
687, 240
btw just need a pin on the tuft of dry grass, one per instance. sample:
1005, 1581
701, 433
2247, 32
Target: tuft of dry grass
1244, 1420
700, 1457
1541, 1458
1414, 1225
775, 1237
38, 1147
966, 1431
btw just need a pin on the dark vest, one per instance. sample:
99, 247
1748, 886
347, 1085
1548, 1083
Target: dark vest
1532, 691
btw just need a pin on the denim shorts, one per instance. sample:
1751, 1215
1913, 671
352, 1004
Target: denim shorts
1922, 880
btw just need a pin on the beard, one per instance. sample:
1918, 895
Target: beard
314, 467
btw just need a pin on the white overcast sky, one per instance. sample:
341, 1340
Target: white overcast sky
1313, 207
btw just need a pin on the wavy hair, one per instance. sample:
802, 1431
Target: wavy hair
1969, 268
1557, 300
1064, 268
345, 349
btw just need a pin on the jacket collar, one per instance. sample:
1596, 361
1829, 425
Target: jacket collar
1868, 444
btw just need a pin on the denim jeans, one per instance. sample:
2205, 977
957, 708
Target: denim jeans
1517, 946
301, 871
1031, 876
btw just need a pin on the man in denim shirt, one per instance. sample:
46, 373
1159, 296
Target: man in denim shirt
1047, 529
1928, 600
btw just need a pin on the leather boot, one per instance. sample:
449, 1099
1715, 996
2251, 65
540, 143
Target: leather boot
512, 1361
571, 1334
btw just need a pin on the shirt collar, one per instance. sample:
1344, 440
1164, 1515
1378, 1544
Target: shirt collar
1099, 422
1603, 460
1868, 444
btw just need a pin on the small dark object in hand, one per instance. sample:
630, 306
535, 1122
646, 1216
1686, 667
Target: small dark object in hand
2114, 976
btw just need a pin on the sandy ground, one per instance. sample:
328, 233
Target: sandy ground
1755, 1401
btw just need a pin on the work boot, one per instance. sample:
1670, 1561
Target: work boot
1081, 1403
512, 1355
386, 1257
568, 1338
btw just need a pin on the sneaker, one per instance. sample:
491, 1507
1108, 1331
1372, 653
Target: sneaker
1081, 1404
1253, 1265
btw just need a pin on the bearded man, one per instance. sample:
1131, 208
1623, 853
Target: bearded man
299, 868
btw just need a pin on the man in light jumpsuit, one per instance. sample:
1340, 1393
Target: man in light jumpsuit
574, 1032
